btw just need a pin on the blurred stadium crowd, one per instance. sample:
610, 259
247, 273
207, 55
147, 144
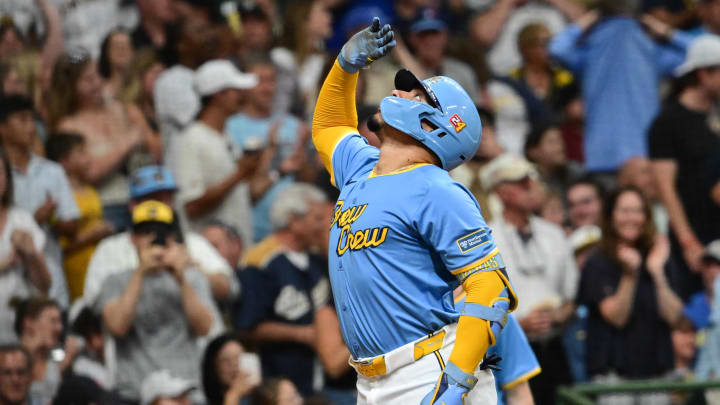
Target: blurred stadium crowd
163, 215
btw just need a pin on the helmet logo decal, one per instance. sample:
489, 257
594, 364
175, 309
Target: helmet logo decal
457, 123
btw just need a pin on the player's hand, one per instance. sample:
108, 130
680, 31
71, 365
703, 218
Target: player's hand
451, 388
445, 393
366, 46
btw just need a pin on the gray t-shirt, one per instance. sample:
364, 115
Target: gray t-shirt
160, 336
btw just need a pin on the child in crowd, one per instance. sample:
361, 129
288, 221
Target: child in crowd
69, 150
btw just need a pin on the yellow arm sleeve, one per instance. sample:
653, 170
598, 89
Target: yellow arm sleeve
473, 335
335, 114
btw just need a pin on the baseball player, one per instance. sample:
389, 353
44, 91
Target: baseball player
404, 235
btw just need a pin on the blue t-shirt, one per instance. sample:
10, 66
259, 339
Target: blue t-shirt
241, 128
620, 68
288, 293
399, 244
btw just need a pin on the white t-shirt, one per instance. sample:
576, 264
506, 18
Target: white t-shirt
116, 254
204, 158
13, 279
45, 178
504, 55
542, 269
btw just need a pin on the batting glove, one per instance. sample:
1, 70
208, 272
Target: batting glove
366, 46
451, 388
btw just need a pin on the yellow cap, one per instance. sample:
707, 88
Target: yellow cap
152, 211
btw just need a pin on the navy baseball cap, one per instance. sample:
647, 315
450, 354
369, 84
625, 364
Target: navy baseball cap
359, 17
151, 179
429, 20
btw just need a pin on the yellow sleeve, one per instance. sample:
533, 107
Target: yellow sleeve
473, 335
335, 114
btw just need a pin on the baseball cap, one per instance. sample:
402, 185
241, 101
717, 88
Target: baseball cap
152, 211
151, 179
154, 217
358, 18
162, 384
703, 52
712, 251
429, 20
217, 75
584, 237
508, 167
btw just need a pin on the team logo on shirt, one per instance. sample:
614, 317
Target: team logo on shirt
473, 240
359, 239
457, 123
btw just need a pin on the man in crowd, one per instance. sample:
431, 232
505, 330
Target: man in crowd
212, 179
15, 376
429, 40
540, 263
154, 16
226, 240
156, 311
584, 203
117, 253
289, 284
188, 45
40, 187
684, 146
283, 135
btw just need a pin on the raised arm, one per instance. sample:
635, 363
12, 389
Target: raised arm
335, 114
54, 44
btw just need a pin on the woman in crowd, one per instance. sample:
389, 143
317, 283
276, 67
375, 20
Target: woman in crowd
118, 136
545, 147
224, 383
116, 56
38, 323
145, 69
307, 25
22, 265
631, 305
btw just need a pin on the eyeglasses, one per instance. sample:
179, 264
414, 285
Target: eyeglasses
20, 372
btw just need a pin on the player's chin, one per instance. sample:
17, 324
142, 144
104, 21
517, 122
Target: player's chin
375, 123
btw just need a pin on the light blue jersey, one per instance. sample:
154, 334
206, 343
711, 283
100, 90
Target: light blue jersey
399, 244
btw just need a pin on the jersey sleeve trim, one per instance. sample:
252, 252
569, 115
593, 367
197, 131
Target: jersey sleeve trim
524, 377
476, 264
327, 141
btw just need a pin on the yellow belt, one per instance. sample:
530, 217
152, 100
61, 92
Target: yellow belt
376, 366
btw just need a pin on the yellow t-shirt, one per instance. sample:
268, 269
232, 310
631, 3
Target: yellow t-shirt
76, 260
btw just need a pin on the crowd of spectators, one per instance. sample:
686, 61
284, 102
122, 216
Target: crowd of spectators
163, 216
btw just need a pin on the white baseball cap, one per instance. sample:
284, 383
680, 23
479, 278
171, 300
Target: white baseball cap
507, 167
162, 384
217, 75
704, 51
